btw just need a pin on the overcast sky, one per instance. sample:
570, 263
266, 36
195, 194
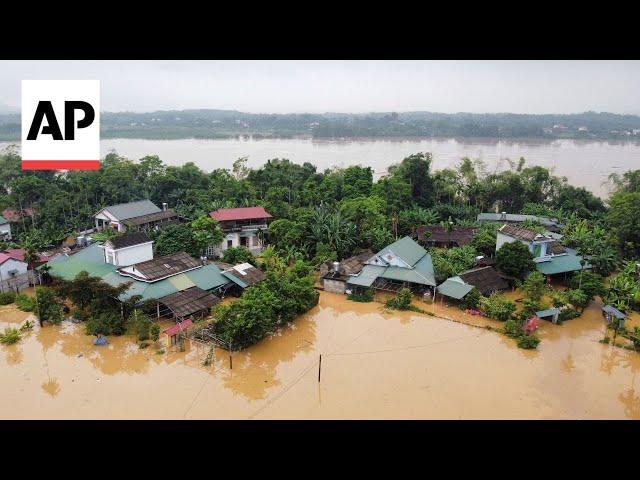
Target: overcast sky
346, 86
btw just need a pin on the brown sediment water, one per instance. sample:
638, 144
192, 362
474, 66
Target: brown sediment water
375, 364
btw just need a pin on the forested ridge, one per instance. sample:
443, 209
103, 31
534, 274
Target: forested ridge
229, 123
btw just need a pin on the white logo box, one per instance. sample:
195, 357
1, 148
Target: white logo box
46, 153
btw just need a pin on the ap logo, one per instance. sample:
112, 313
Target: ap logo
60, 124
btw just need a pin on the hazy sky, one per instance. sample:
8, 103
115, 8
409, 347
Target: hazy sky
346, 85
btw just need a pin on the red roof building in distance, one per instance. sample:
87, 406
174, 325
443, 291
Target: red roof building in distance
241, 227
234, 214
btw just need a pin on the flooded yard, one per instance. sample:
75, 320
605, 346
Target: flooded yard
375, 364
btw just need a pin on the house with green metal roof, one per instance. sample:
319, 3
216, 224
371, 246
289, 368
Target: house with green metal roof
549, 255
91, 260
404, 263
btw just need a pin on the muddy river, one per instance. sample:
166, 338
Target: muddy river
375, 364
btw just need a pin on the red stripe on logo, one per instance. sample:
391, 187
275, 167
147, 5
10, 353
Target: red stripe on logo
60, 164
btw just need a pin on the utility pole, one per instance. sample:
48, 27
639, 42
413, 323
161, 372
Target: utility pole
319, 368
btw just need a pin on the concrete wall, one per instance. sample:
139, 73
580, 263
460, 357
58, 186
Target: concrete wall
130, 255
334, 286
501, 239
13, 282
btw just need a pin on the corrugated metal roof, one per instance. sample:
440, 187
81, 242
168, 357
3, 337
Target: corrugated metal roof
190, 301
610, 309
454, 287
152, 217
560, 264
412, 254
207, 277
519, 218
246, 213
438, 234
124, 211
549, 312
367, 275
91, 260
128, 240
421, 274
405, 248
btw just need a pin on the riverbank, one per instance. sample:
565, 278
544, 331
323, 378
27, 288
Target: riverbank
375, 364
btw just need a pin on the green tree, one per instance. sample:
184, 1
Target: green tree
176, 238
534, 286
515, 260
497, 306
48, 308
623, 218
206, 232
415, 170
236, 255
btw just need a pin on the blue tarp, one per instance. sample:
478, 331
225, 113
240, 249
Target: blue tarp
101, 341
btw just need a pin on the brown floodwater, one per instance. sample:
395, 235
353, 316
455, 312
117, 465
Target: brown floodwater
375, 364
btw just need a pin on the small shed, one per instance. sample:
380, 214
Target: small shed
609, 312
192, 302
454, 287
549, 313
173, 333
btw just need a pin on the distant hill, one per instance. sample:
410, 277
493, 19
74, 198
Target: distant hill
174, 124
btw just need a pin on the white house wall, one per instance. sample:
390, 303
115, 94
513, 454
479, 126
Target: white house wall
12, 264
108, 217
130, 255
501, 239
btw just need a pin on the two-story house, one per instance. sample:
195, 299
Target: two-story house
240, 227
551, 258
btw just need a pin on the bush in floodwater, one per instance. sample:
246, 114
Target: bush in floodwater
25, 303
9, 336
402, 301
7, 297
472, 299
568, 314
49, 308
155, 332
363, 297
27, 325
513, 328
108, 323
528, 342
497, 306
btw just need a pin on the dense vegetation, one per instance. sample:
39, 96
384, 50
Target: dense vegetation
325, 215
228, 123
329, 215
285, 293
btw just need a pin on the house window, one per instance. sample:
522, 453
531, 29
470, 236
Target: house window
229, 243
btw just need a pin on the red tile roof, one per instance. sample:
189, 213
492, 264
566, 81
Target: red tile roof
15, 253
247, 213
18, 254
178, 327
